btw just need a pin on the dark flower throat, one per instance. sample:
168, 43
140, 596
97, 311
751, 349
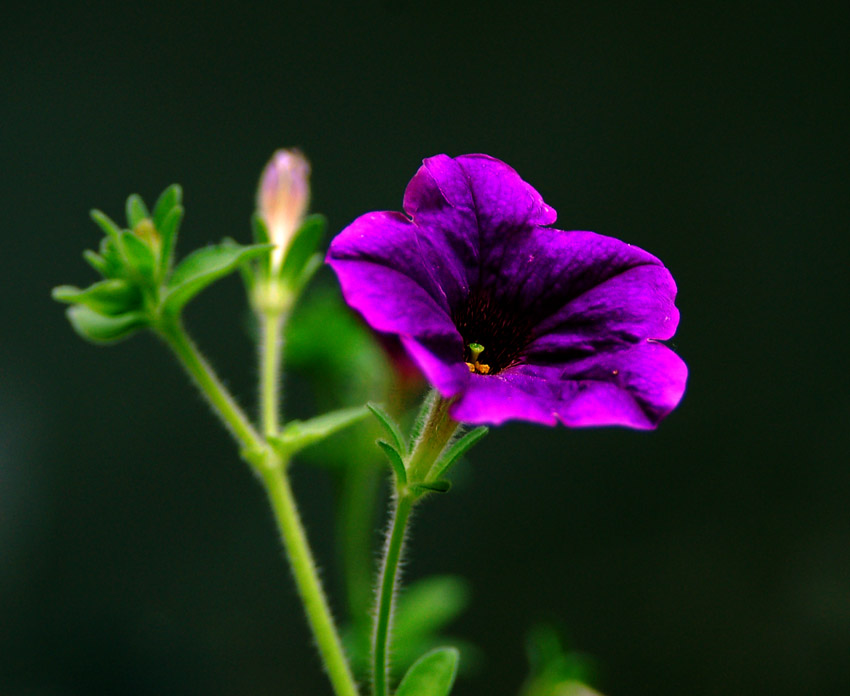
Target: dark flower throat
504, 330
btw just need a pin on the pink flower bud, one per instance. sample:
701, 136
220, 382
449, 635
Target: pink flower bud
282, 199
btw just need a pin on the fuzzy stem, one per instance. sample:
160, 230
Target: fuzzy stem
270, 358
272, 471
210, 385
307, 580
438, 430
389, 575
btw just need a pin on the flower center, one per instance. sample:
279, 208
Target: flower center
494, 333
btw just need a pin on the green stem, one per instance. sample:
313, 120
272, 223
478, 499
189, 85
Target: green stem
270, 357
307, 581
436, 433
210, 385
271, 469
386, 594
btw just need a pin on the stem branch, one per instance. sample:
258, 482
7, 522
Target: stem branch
210, 385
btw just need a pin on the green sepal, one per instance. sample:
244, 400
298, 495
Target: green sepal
203, 267
140, 257
98, 328
97, 262
110, 297
112, 256
302, 249
168, 229
136, 210
102, 220
458, 449
390, 426
259, 229
441, 486
433, 674
168, 199
396, 462
422, 415
297, 435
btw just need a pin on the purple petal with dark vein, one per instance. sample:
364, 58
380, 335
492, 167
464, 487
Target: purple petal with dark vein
635, 387
469, 208
383, 276
585, 288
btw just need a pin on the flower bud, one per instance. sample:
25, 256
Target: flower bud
282, 199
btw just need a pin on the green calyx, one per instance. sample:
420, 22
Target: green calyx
140, 286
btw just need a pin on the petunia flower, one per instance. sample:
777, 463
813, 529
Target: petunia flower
506, 316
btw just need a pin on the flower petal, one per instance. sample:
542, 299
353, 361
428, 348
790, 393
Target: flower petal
635, 387
383, 276
587, 292
469, 208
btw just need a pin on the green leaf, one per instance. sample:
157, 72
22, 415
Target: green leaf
99, 328
168, 199
433, 674
300, 434
301, 249
136, 210
458, 449
396, 462
110, 297
432, 487
139, 255
110, 229
259, 229
203, 267
168, 229
96, 261
390, 426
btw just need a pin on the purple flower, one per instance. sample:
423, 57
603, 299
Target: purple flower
514, 319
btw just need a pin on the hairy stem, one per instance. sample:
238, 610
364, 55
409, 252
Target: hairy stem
210, 385
307, 580
386, 594
272, 471
437, 430
270, 358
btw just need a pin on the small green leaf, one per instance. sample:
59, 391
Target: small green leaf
390, 426
98, 328
167, 200
259, 229
433, 674
396, 462
168, 229
110, 297
96, 261
203, 267
458, 449
136, 210
301, 249
110, 229
139, 255
299, 434
432, 487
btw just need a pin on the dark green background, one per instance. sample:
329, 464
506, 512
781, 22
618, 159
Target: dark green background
710, 557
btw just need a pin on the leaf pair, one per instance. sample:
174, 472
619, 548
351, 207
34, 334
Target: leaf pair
397, 451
